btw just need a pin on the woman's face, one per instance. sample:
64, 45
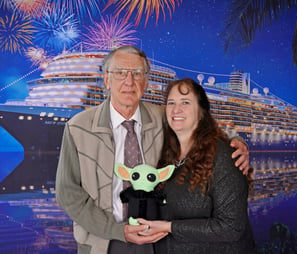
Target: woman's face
182, 110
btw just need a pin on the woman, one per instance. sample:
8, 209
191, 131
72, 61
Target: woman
206, 209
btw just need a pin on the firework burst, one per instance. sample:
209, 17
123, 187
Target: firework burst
16, 33
110, 33
56, 29
80, 7
30, 7
6, 4
149, 7
37, 56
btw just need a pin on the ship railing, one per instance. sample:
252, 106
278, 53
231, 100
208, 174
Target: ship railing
162, 69
17, 103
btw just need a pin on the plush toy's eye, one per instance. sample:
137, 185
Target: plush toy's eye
151, 177
135, 176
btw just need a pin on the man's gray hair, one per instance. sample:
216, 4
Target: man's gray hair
126, 49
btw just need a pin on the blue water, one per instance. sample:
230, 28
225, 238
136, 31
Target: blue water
11, 153
40, 225
280, 209
33, 223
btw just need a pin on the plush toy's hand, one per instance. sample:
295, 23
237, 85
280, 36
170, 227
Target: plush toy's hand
133, 221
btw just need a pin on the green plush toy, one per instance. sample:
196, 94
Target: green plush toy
143, 199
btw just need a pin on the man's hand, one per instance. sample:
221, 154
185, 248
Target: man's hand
133, 234
243, 155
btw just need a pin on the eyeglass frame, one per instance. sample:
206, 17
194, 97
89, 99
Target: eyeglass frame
126, 71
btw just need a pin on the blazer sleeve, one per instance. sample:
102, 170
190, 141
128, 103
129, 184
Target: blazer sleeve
229, 192
76, 201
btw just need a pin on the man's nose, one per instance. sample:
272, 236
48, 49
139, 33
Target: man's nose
129, 79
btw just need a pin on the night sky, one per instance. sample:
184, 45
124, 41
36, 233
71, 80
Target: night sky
189, 42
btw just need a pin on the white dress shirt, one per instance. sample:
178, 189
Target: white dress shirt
119, 133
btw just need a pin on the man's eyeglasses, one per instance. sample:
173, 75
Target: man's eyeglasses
123, 74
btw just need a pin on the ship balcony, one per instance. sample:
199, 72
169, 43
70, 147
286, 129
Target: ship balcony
57, 93
68, 72
61, 85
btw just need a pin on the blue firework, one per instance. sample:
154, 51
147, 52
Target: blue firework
81, 8
6, 4
57, 29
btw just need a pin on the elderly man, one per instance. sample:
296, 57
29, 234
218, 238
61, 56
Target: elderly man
93, 140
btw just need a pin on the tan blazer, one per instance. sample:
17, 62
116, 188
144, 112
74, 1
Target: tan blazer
85, 171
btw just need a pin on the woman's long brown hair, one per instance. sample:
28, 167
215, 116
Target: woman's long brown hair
200, 159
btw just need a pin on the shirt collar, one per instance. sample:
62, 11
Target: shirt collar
117, 118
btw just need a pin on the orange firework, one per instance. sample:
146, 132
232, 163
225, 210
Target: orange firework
32, 7
15, 33
143, 6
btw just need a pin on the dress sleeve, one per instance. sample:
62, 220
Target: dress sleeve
76, 202
229, 218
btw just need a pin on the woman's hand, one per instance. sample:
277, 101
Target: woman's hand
142, 234
155, 227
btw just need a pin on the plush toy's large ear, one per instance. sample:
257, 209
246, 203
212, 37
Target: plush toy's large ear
166, 172
122, 171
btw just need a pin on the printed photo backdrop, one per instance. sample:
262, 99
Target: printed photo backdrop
224, 45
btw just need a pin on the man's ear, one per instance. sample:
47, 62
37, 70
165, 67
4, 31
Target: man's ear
106, 80
122, 171
165, 173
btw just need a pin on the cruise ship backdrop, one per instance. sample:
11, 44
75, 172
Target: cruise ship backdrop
31, 133
73, 81
182, 38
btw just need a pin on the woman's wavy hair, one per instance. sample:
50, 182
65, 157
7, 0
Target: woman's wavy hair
200, 158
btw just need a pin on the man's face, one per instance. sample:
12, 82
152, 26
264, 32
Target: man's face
127, 90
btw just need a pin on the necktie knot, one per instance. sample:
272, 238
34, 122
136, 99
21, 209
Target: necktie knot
129, 125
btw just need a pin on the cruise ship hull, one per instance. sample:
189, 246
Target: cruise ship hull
40, 136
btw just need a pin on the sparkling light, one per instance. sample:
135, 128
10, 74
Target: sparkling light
149, 7
19, 79
110, 33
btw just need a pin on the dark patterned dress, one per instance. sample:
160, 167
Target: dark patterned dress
216, 223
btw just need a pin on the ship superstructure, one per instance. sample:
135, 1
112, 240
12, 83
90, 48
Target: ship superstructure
265, 121
72, 82
75, 80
